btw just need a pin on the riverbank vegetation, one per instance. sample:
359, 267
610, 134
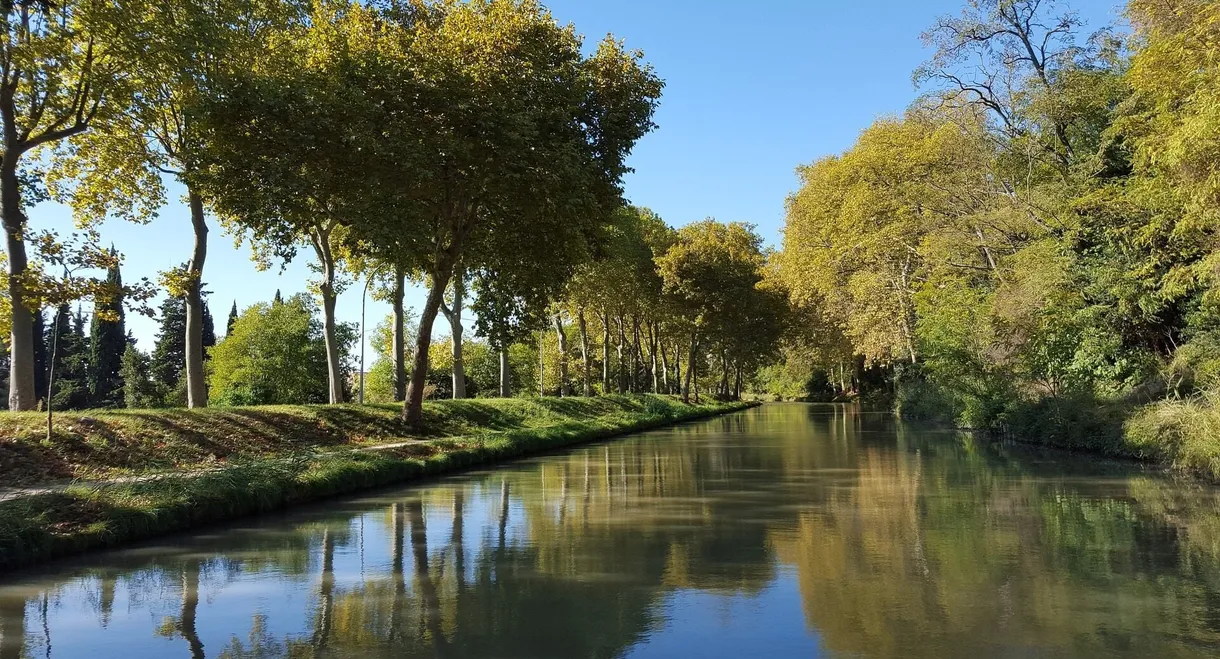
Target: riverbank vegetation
244, 461
474, 148
1030, 249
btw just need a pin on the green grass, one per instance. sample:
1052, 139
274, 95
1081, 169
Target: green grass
1179, 434
1184, 434
294, 454
105, 444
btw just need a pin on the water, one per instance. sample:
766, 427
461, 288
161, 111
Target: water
787, 531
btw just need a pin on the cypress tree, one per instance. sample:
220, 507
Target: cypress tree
168, 359
209, 327
278, 298
40, 355
169, 351
138, 388
107, 342
232, 319
70, 388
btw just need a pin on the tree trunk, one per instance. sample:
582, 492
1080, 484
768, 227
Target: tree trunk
21, 394
678, 364
457, 541
562, 336
694, 369
334, 361
636, 357
690, 369
737, 384
605, 352
427, 588
505, 384
652, 357
664, 364
190, 606
541, 364
622, 370
196, 385
51, 371
400, 338
413, 406
326, 592
724, 374
585, 358
397, 571
503, 513
454, 316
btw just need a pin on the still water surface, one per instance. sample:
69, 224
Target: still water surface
786, 531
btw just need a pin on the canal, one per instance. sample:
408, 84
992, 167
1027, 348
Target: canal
784, 531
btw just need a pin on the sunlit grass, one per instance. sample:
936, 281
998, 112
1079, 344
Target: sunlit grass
87, 516
1183, 433
96, 445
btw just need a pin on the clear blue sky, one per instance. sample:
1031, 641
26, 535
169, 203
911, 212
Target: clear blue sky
752, 91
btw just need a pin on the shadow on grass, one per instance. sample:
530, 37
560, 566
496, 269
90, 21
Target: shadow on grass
93, 444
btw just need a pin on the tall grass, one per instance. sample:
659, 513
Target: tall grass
1182, 433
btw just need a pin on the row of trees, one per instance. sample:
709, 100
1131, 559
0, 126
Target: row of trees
90, 361
634, 319
1039, 224
442, 141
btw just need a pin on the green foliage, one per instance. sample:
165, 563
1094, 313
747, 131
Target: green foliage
135, 372
481, 362
276, 355
69, 360
1032, 237
107, 343
168, 358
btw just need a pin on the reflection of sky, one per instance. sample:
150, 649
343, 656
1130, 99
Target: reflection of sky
230, 599
701, 624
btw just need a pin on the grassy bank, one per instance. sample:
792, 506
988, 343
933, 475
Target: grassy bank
1181, 434
237, 462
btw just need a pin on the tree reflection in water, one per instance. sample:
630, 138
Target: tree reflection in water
900, 543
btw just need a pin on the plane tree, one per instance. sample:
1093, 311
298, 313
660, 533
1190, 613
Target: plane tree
515, 137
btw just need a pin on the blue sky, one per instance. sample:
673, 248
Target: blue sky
752, 91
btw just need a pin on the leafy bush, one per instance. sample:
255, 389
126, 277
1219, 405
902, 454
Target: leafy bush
275, 355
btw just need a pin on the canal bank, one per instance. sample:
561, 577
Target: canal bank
782, 531
336, 450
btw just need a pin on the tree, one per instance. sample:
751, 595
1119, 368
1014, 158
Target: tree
453, 314
180, 49
275, 356
68, 372
710, 274
232, 319
61, 69
139, 391
168, 358
107, 343
283, 163
1018, 59
620, 284
510, 304
383, 384
561, 134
